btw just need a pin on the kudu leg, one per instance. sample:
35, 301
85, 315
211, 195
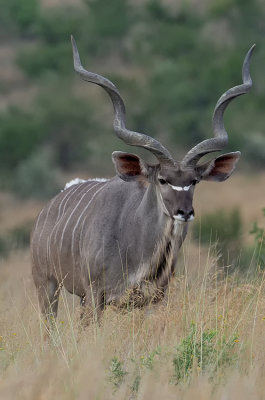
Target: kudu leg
92, 304
48, 295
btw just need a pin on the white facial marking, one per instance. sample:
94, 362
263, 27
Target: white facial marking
179, 217
180, 188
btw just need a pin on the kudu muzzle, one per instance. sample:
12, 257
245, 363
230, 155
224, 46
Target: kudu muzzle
184, 215
184, 211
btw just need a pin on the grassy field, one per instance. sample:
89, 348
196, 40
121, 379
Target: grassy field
205, 340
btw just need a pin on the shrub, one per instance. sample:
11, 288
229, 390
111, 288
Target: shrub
4, 248
20, 133
56, 27
68, 124
224, 228
17, 14
53, 52
37, 177
117, 372
19, 236
15, 238
109, 19
224, 225
44, 58
254, 149
259, 238
204, 350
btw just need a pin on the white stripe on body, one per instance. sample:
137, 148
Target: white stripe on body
79, 218
81, 231
67, 197
72, 191
43, 226
75, 208
38, 220
36, 226
57, 226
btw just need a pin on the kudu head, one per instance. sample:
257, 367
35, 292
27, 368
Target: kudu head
174, 181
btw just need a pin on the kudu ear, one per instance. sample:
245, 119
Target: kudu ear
221, 168
129, 166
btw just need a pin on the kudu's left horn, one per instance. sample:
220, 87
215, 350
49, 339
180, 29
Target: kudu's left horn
129, 137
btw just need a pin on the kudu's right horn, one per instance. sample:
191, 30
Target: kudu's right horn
220, 139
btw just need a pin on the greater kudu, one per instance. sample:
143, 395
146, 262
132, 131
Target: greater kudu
100, 238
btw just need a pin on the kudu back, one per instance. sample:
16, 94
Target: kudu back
103, 239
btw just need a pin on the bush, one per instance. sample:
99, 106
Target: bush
20, 133
4, 247
116, 372
68, 123
53, 52
46, 58
17, 14
205, 351
109, 19
15, 239
259, 238
56, 27
37, 177
254, 149
19, 236
223, 228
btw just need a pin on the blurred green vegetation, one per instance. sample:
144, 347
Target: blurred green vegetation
171, 63
16, 238
204, 350
259, 236
223, 230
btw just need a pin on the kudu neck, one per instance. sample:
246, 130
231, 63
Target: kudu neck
150, 210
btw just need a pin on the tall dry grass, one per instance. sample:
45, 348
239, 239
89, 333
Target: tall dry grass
131, 354
136, 349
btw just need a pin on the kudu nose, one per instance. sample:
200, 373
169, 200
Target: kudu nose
185, 215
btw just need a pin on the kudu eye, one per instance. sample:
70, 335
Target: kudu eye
162, 181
